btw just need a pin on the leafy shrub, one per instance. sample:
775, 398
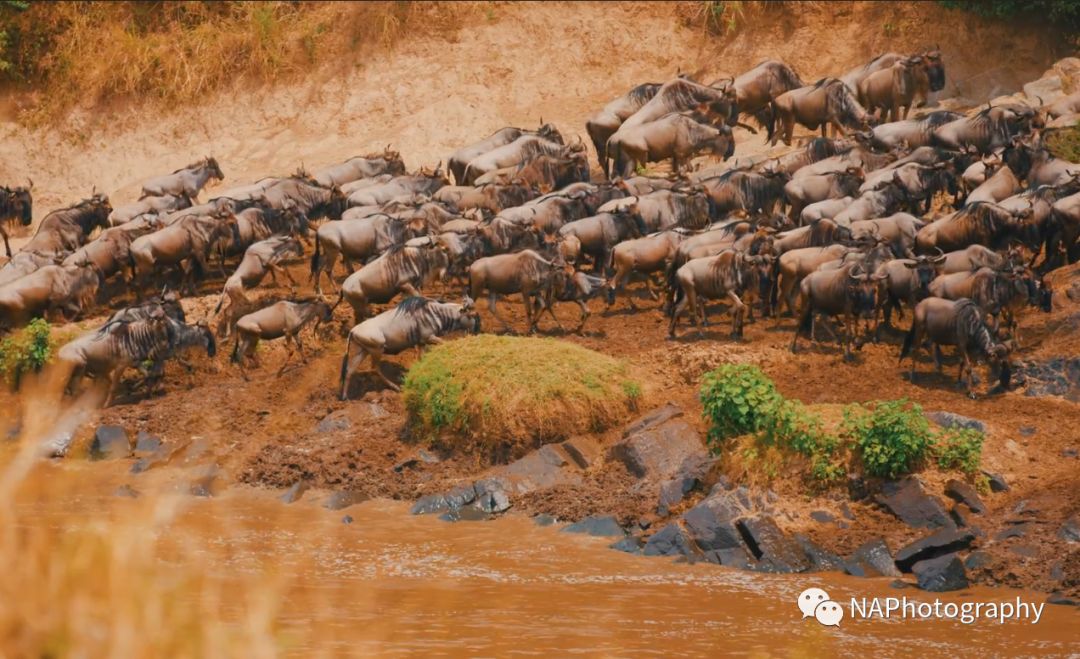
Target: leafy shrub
959, 448
1058, 12
736, 398
891, 438
1064, 142
26, 352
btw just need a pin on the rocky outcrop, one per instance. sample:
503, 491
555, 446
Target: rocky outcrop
907, 500
961, 492
872, 559
945, 541
941, 574
604, 526
109, 442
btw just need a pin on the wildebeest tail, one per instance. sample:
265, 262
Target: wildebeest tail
770, 127
345, 366
909, 341
807, 319
221, 302
235, 356
315, 257
676, 295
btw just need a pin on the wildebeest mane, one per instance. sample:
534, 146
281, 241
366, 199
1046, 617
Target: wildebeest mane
644, 92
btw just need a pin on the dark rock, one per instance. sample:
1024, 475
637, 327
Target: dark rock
688, 477
109, 442
945, 541
997, 482
630, 545
491, 498
152, 461
950, 420
822, 516
465, 514
1014, 531
205, 482
427, 457
1026, 551
711, 523
347, 519
543, 519
126, 491
1057, 571
293, 494
899, 585
546, 467
1027, 431
1070, 530
774, 551
461, 495
146, 444
343, 499
857, 487
653, 418
872, 559
821, 560
334, 422
941, 574
736, 557
605, 526
977, 560
964, 493
582, 451
846, 511
670, 541
658, 450
843, 525
908, 501
960, 515
1070, 453
1062, 600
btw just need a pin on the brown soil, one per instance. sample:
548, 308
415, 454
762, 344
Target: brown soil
560, 62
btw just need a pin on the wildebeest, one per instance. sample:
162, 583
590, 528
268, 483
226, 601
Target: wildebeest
908, 281
167, 303
68, 229
818, 234
311, 201
461, 158
259, 259
935, 70
544, 172
898, 230
357, 240
676, 136
604, 123
730, 274
805, 191
258, 223
281, 319
186, 244
109, 252
999, 293
682, 95
16, 204
753, 192
972, 258
24, 262
847, 292
1004, 183
646, 255
187, 181
826, 102
895, 87
755, 89
69, 289
958, 323
524, 272
521, 150
600, 233
403, 269
491, 197
981, 223
883, 200
989, 129
795, 264
151, 207
400, 186
665, 209
413, 323
912, 132
567, 286
358, 167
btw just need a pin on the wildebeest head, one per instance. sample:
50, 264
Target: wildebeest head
469, 318
935, 69
20, 204
925, 269
549, 132
724, 143
215, 169
862, 289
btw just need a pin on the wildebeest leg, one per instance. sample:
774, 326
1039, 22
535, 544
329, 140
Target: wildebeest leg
529, 316
114, 380
288, 353
736, 314
550, 308
7, 247
675, 313
350, 368
492, 298
584, 316
273, 267
937, 358
409, 290
376, 365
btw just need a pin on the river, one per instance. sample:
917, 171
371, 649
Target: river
390, 583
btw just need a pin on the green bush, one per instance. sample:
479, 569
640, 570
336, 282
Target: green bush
736, 399
26, 352
960, 449
892, 437
1065, 13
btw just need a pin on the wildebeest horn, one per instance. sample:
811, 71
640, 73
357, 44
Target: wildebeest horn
31, 182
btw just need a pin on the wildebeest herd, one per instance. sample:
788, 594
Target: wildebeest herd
954, 218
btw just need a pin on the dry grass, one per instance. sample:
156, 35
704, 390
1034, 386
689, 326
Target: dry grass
92, 53
507, 394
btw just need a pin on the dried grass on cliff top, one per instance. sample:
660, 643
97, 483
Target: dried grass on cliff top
507, 394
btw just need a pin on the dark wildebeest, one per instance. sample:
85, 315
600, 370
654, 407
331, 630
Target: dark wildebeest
16, 205
359, 167
912, 132
259, 223
604, 123
665, 209
358, 240
567, 286
802, 192
677, 136
795, 264
847, 292
500, 236
600, 233
414, 323
167, 303
544, 172
730, 274
958, 323
68, 229
311, 201
886, 199
69, 289
755, 89
148, 207
935, 80
982, 223
989, 129
259, 259
187, 181
524, 272
908, 281
826, 102
522, 150
399, 186
646, 255
999, 293
403, 269
920, 183
461, 158
185, 244
753, 192
281, 319
895, 87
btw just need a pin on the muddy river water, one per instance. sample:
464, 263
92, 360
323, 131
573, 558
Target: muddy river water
390, 583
